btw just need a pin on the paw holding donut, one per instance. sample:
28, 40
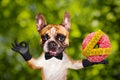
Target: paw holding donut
96, 46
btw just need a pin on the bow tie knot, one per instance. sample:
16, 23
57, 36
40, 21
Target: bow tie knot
58, 56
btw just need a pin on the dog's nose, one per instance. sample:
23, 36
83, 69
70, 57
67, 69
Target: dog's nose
52, 44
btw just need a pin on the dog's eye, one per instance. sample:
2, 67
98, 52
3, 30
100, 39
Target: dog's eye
60, 37
45, 37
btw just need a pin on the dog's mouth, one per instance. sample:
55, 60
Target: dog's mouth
56, 51
53, 53
53, 50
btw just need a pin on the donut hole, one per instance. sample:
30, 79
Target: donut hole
96, 46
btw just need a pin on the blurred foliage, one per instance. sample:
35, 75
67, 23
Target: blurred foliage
17, 20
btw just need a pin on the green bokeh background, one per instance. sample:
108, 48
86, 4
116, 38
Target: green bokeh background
17, 20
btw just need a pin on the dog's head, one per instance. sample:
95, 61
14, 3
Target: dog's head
54, 37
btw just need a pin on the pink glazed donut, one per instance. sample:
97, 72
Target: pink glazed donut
103, 42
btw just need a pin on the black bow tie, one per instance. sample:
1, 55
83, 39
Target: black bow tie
58, 56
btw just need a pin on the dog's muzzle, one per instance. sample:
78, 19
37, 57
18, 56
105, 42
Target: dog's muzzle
52, 47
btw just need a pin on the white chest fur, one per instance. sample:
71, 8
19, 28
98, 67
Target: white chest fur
54, 69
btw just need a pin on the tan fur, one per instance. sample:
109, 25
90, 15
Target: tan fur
59, 29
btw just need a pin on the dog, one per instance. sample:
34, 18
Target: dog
53, 61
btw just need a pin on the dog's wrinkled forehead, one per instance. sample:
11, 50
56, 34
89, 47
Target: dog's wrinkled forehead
53, 29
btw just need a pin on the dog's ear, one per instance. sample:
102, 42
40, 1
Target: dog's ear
40, 22
66, 21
